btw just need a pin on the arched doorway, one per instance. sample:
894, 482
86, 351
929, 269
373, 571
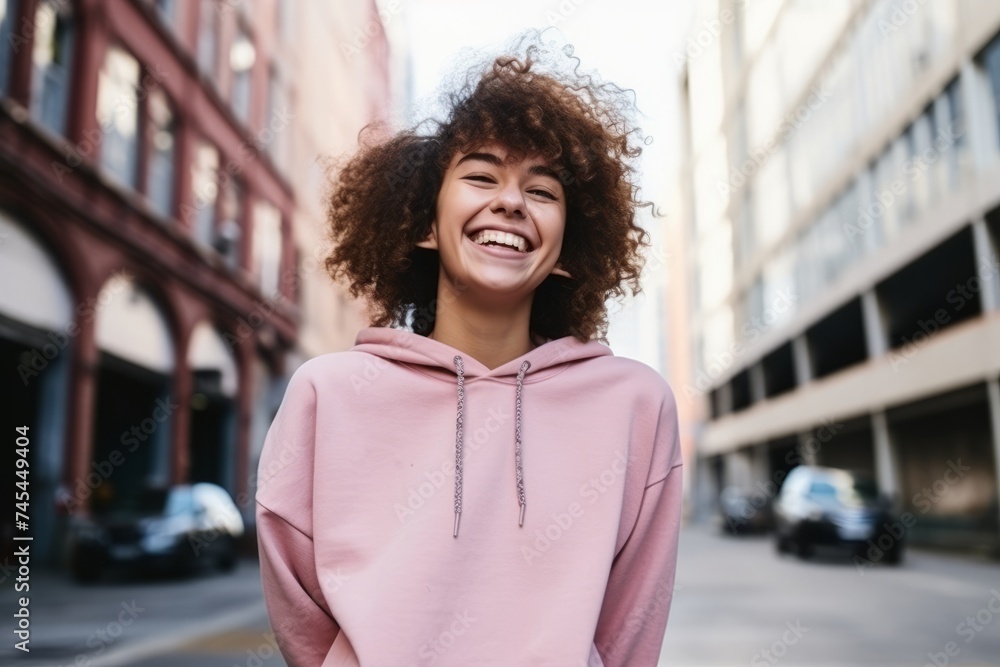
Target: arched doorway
212, 440
36, 343
133, 412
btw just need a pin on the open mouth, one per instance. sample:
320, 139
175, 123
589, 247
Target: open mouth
505, 241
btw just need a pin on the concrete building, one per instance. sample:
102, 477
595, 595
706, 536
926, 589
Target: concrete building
157, 220
842, 200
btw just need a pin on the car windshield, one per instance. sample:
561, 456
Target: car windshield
149, 502
844, 488
860, 491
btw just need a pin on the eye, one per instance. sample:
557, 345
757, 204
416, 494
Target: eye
544, 193
479, 177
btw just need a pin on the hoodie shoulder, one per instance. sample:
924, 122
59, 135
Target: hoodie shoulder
646, 379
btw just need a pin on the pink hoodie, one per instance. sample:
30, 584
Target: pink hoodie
390, 504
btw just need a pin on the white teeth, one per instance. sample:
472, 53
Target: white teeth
512, 240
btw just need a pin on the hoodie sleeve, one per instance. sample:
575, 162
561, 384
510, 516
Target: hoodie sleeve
300, 617
633, 618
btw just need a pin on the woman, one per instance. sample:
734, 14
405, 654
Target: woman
479, 480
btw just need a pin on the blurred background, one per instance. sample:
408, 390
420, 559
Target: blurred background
822, 293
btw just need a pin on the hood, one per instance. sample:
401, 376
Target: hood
434, 358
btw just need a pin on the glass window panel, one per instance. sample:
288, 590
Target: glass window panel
160, 174
118, 115
229, 232
267, 247
991, 62
241, 59
51, 62
954, 131
204, 182
208, 38
8, 21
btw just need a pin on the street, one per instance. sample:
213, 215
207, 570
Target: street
736, 602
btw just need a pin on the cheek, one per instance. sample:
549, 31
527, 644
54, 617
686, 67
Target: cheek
554, 229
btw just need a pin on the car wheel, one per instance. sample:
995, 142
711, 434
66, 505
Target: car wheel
804, 549
227, 559
85, 572
894, 556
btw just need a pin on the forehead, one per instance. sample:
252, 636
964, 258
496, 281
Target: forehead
499, 155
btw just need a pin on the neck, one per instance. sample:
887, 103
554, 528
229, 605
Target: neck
492, 335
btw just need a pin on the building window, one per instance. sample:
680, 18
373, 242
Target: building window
267, 247
276, 120
167, 11
229, 232
991, 61
51, 60
8, 20
205, 185
118, 115
208, 38
241, 59
162, 133
954, 131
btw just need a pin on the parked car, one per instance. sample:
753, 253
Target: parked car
843, 509
180, 529
745, 510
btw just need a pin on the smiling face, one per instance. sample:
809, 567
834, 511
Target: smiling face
499, 224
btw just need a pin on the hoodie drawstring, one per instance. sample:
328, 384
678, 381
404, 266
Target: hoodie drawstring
518, 472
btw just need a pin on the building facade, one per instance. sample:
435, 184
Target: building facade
842, 200
153, 267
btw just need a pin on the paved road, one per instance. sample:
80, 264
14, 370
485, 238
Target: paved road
736, 603
736, 598
206, 620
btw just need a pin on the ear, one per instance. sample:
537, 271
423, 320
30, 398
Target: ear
430, 241
557, 271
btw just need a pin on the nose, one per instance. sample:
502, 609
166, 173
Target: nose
510, 201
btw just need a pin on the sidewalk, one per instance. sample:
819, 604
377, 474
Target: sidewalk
122, 621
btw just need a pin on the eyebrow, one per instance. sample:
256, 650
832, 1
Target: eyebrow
536, 169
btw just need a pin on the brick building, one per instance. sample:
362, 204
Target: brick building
151, 162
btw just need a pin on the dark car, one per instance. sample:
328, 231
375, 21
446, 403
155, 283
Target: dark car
842, 509
745, 510
180, 529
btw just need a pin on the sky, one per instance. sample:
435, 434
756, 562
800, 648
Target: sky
633, 43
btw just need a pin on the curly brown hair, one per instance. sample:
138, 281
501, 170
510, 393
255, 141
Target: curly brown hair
383, 200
